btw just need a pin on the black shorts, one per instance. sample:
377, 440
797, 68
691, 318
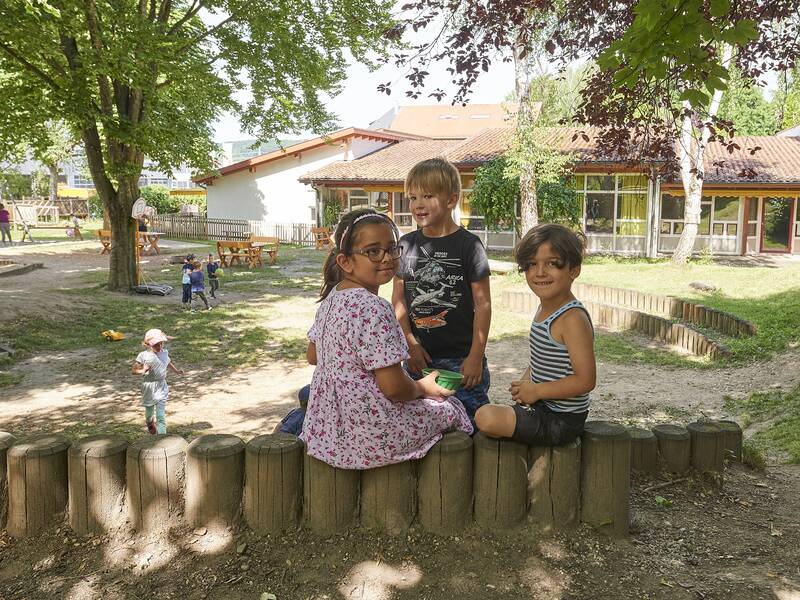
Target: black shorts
538, 425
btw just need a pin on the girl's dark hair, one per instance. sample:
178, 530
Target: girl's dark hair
568, 244
343, 240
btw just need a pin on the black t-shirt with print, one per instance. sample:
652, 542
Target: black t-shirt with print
437, 273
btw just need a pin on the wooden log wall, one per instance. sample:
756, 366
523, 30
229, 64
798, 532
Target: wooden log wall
462, 480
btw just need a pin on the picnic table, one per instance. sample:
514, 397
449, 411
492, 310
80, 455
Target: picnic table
267, 244
322, 237
234, 252
148, 242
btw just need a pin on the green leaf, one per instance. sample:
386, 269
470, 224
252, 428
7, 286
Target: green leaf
695, 97
661, 501
719, 8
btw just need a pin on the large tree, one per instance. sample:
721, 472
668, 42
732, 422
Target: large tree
661, 63
136, 78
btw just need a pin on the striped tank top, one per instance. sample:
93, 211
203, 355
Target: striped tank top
550, 360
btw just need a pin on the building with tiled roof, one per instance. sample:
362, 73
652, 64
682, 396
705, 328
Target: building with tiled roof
751, 202
444, 121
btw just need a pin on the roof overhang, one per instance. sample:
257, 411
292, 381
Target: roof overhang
337, 137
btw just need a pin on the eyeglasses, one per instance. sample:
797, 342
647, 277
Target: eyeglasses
377, 255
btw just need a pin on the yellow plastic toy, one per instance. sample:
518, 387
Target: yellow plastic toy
113, 336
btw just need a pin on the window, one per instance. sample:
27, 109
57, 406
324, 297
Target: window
358, 199
380, 201
313, 210
672, 207
600, 182
79, 181
632, 183
142, 181
600, 213
159, 181
726, 215
401, 210
631, 214
705, 216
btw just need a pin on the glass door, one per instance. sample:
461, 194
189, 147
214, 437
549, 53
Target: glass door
776, 228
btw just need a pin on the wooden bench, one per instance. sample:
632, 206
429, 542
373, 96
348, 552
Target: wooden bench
104, 236
268, 245
322, 238
232, 252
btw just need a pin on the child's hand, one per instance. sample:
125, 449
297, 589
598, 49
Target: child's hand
431, 389
418, 359
145, 369
524, 392
472, 370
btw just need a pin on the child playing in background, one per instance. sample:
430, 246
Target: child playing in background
441, 291
5, 225
552, 396
364, 411
153, 364
198, 285
186, 280
213, 280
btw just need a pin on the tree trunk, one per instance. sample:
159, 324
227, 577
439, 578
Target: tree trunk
53, 182
122, 262
690, 152
529, 208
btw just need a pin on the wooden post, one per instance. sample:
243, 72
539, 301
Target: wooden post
605, 477
674, 447
37, 483
500, 481
554, 486
273, 490
96, 466
388, 497
214, 480
445, 485
733, 439
155, 472
708, 447
6, 440
330, 496
644, 450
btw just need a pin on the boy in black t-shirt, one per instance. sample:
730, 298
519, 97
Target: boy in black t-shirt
441, 289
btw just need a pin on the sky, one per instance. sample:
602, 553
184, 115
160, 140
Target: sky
359, 103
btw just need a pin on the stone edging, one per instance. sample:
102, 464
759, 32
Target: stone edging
20, 269
666, 306
619, 317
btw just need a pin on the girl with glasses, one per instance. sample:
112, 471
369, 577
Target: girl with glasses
364, 411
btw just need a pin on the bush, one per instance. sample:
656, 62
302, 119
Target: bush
159, 198
95, 207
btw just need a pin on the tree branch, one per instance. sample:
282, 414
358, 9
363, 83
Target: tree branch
205, 34
193, 10
30, 66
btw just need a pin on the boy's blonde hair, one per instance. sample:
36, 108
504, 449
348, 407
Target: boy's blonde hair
435, 176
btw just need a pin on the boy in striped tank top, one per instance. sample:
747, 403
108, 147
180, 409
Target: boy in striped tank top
551, 399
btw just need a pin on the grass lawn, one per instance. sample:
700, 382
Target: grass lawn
88, 230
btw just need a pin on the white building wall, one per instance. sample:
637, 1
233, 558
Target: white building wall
359, 148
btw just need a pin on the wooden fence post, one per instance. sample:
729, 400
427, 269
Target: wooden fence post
330, 496
6, 440
605, 477
155, 473
96, 466
214, 480
708, 447
273, 490
500, 481
674, 447
644, 450
554, 486
445, 485
37, 483
388, 497
733, 439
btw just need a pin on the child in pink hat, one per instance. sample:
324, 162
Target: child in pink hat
152, 364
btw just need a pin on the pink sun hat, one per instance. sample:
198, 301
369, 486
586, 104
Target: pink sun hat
153, 337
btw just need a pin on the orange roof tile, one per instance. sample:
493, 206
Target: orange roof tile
447, 121
387, 165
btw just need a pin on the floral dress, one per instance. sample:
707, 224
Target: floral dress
350, 423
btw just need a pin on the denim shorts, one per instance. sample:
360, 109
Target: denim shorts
471, 399
538, 425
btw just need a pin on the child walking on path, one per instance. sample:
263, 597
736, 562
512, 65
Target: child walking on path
198, 285
153, 364
186, 280
441, 292
364, 411
213, 279
552, 396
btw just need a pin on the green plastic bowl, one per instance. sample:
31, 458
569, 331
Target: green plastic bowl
447, 379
